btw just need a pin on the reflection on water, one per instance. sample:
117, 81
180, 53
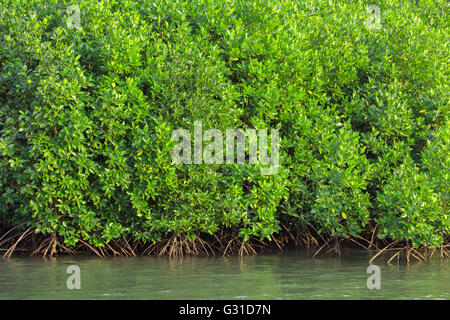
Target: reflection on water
292, 275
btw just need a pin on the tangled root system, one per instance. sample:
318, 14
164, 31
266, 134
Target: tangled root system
224, 242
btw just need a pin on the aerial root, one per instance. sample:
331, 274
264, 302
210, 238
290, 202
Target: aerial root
177, 246
381, 251
409, 252
225, 241
9, 252
246, 249
336, 249
323, 246
251, 246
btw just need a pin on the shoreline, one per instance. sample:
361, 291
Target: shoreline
225, 242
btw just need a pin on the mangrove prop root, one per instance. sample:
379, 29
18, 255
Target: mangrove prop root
224, 241
381, 251
8, 253
320, 249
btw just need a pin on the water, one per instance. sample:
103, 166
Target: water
292, 275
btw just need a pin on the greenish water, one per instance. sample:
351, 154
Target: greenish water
292, 275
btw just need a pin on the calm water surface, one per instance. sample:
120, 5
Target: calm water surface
292, 275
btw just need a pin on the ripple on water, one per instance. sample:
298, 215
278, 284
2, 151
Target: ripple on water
281, 277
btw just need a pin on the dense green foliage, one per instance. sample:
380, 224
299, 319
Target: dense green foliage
87, 114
